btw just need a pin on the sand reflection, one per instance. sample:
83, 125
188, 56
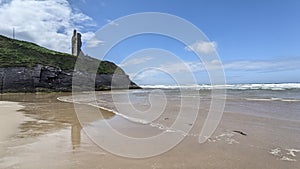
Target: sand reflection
76, 134
45, 114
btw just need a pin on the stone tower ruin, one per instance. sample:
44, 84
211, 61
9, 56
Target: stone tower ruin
76, 43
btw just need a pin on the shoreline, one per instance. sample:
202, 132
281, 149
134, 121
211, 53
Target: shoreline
10, 118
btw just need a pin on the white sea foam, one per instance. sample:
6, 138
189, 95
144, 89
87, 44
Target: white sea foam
285, 154
273, 99
275, 152
282, 86
284, 158
71, 99
292, 152
227, 137
169, 129
136, 120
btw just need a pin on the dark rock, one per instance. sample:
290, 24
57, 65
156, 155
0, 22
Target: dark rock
240, 132
47, 78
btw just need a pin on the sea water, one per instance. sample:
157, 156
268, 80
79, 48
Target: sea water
280, 101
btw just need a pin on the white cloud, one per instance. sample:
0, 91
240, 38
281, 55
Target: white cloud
93, 42
145, 74
242, 65
136, 61
49, 23
178, 67
246, 65
181, 70
188, 67
161, 72
202, 47
266, 65
111, 22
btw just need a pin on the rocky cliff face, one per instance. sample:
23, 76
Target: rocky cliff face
46, 78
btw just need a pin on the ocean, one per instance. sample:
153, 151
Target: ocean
280, 101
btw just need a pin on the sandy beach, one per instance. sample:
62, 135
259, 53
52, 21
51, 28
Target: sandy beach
52, 137
145, 84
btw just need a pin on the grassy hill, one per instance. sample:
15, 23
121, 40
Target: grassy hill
16, 53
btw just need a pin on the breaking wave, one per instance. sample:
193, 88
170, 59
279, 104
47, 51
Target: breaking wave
282, 86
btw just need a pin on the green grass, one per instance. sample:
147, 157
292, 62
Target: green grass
16, 53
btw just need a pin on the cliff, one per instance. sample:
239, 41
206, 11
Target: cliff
27, 67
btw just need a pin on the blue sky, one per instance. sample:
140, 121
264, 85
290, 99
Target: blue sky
257, 41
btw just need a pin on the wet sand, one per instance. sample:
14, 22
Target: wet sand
52, 137
10, 119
